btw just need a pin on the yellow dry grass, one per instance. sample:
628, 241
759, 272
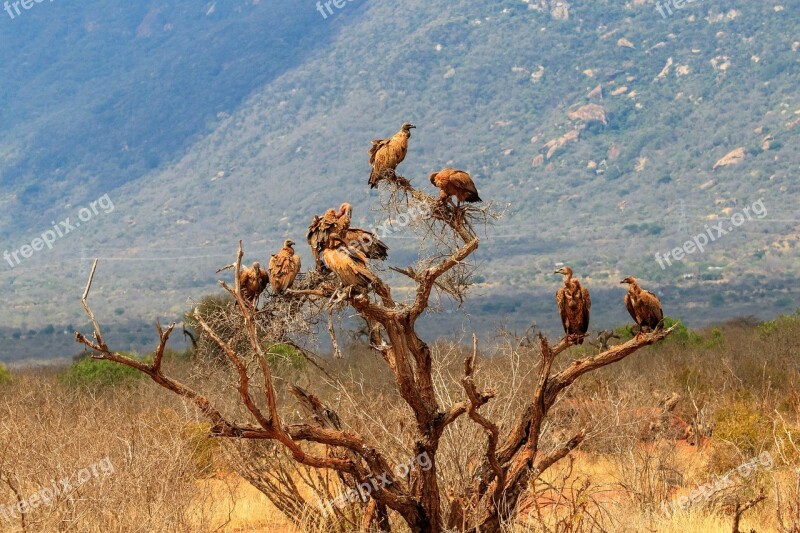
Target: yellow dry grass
236, 506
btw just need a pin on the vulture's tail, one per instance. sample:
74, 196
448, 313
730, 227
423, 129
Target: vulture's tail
473, 197
378, 250
374, 178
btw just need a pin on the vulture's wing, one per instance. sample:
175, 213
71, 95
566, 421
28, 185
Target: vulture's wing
377, 144
274, 263
653, 314
264, 279
348, 265
562, 308
463, 181
320, 230
465, 186
281, 267
587, 305
631, 310
368, 243
312, 237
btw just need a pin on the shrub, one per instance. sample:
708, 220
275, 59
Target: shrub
5, 375
780, 323
742, 430
682, 335
89, 372
288, 355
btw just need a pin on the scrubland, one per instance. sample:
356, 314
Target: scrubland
667, 420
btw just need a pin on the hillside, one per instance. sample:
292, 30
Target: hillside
596, 124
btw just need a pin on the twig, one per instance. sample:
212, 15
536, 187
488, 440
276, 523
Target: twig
741, 508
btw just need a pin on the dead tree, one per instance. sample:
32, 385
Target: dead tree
511, 461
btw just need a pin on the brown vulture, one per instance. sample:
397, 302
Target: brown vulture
360, 239
337, 222
643, 306
322, 228
283, 268
386, 154
574, 305
348, 264
253, 281
458, 183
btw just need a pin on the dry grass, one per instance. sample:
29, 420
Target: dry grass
169, 477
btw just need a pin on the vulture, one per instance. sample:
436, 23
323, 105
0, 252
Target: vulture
348, 264
458, 183
643, 306
253, 281
386, 154
574, 304
322, 228
283, 268
337, 222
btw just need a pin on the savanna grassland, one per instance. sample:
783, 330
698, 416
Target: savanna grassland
738, 387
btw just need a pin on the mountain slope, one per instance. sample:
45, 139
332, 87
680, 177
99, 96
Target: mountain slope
100, 96
489, 84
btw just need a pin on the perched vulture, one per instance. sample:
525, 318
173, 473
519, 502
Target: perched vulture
643, 306
386, 154
348, 264
283, 268
319, 232
458, 183
366, 242
253, 281
574, 304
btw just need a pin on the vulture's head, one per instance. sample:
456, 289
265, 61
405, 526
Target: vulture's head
288, 243
256, 267
630, 280
407, 127
565, 271
433, 177
346, 209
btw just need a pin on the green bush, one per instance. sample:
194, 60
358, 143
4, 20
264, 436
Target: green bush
287, 355
5, 375
682, 335
90, 372
780, 323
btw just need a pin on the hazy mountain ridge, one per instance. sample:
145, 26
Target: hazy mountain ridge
469, 77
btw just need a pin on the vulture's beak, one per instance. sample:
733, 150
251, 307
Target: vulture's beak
558, 272
623, 282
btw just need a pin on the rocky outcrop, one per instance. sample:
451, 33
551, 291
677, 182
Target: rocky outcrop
589, 113
666, 70
625, 43
733, 158
553, 146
